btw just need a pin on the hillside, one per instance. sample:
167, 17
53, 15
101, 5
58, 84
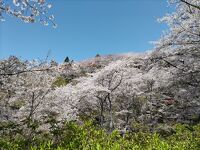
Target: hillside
148, 99
114, 90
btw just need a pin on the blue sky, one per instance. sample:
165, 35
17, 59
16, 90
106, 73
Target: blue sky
85, 28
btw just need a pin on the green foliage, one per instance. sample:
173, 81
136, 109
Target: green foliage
66, 60
17, 104
98, 55
60, 81
72, 136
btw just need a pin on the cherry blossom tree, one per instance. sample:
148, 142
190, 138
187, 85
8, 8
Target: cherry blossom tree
179, 49
24, 86
28, 11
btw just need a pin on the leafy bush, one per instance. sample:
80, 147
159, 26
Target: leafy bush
60, 81
17, 104
89, 137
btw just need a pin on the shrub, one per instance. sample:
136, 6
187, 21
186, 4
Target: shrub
72, 136
60, 81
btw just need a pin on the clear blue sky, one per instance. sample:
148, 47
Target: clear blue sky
85, 28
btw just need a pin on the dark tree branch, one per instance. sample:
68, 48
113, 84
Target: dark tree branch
195, 6
23, 71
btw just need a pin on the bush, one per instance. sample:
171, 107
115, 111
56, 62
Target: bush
89, 137
60, 81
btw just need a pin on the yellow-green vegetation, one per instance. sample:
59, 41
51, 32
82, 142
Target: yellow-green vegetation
17, 104
89, 137
2, 94
60, 81
142, 99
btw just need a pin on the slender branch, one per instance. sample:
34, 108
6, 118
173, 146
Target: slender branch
2, 8
195, 6
39, 11
24, 71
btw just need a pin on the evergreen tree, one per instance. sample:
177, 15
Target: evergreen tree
66, 60
97, 55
